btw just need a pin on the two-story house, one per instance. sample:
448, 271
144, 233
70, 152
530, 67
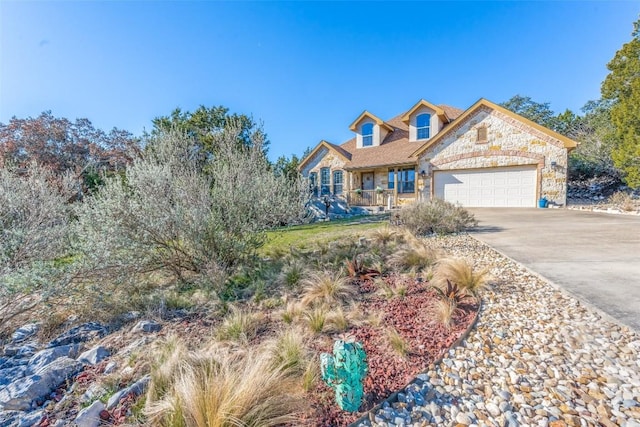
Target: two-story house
484, 156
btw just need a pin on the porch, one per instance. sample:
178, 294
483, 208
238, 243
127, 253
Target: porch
384, 187
371, 198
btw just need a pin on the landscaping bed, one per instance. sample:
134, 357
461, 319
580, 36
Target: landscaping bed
426, 340
249, 348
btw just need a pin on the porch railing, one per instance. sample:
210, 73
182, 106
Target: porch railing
369, 197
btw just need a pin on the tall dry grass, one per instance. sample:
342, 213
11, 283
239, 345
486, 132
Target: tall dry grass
462, 273
219, 388
327, 288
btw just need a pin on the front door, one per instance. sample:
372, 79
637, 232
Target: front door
367, 181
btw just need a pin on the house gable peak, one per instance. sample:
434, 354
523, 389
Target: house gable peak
422, 103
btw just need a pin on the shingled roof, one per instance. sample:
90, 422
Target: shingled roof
396, 149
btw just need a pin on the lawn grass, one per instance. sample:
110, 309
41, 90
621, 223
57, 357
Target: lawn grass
307, 235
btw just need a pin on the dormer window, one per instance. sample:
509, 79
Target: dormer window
367, 134
370, 130
423, 126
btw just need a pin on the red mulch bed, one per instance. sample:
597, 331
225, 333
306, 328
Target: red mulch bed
412, 317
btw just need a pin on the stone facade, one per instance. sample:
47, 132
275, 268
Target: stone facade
509, 142
485, 137
325, 158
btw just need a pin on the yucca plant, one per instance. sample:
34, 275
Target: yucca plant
461, 272
356, 269
327, 288
450, 292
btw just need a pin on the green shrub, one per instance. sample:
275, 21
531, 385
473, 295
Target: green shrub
436, 216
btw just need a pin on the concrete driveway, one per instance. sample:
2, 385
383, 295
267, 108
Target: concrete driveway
595, 256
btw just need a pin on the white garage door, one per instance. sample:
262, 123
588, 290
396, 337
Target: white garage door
491, 187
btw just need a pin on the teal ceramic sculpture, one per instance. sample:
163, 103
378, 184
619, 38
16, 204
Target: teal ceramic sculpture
344, 372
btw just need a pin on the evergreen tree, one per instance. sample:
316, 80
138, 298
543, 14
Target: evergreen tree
622, 89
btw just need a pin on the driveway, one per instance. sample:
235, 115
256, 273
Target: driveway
594, 256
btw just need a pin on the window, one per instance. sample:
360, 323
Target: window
325, 184
482, 134
337, 182
423, 123
313, 183
406, 180
367, 134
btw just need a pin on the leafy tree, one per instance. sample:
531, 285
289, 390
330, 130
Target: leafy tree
540, 113
204, 124
622, 89
288, 167
63, 146
595, 134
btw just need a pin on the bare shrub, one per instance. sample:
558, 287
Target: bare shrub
34, 224
623, 200
436, 216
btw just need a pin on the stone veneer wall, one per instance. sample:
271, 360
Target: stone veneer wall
510, 142
326, 158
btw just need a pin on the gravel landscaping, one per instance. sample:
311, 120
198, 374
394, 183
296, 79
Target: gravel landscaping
537, 357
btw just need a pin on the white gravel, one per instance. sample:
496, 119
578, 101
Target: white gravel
537, 357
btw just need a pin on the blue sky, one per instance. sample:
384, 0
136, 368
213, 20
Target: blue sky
305, 69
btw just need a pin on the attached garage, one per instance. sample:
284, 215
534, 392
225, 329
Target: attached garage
488, 187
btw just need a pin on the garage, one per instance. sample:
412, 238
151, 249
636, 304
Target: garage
488, 187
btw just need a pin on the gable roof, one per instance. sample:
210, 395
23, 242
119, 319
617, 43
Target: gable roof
329, 146
394, 150
568, 142
452, 112
422, 103
366, 114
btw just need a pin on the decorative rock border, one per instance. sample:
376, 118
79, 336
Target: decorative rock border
368, 417
539, 357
